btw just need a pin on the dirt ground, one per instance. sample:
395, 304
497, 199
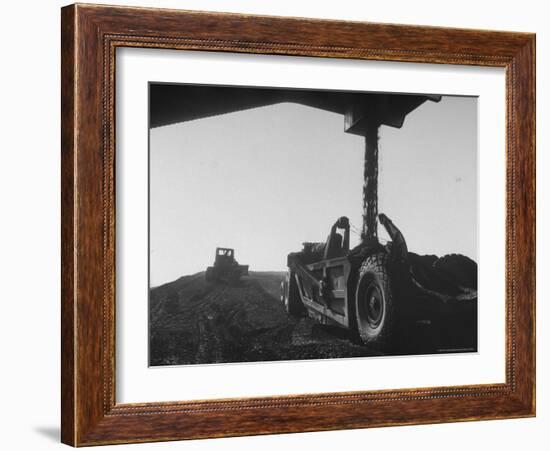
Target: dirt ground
195, 322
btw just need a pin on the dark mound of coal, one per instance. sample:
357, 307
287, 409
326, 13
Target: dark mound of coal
451, 274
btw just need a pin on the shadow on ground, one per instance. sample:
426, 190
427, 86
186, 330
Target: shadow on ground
52, 433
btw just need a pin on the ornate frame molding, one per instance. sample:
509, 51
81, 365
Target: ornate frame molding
90, 36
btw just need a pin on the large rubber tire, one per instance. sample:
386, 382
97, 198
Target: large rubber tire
374, 303
291, 296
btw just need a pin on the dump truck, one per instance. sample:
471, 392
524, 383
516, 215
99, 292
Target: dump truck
225, 269
376, 290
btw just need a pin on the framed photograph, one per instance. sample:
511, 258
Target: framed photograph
279, 225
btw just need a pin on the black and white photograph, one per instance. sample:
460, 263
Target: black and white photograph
292, 224
236, 225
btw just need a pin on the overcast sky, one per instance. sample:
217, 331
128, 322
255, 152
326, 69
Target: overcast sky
267, 179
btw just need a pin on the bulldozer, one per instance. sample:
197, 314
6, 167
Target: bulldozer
225, 269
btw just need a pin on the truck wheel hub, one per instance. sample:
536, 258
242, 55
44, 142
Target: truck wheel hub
375, 306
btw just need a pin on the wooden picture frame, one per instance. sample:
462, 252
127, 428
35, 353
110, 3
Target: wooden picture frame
90, 36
